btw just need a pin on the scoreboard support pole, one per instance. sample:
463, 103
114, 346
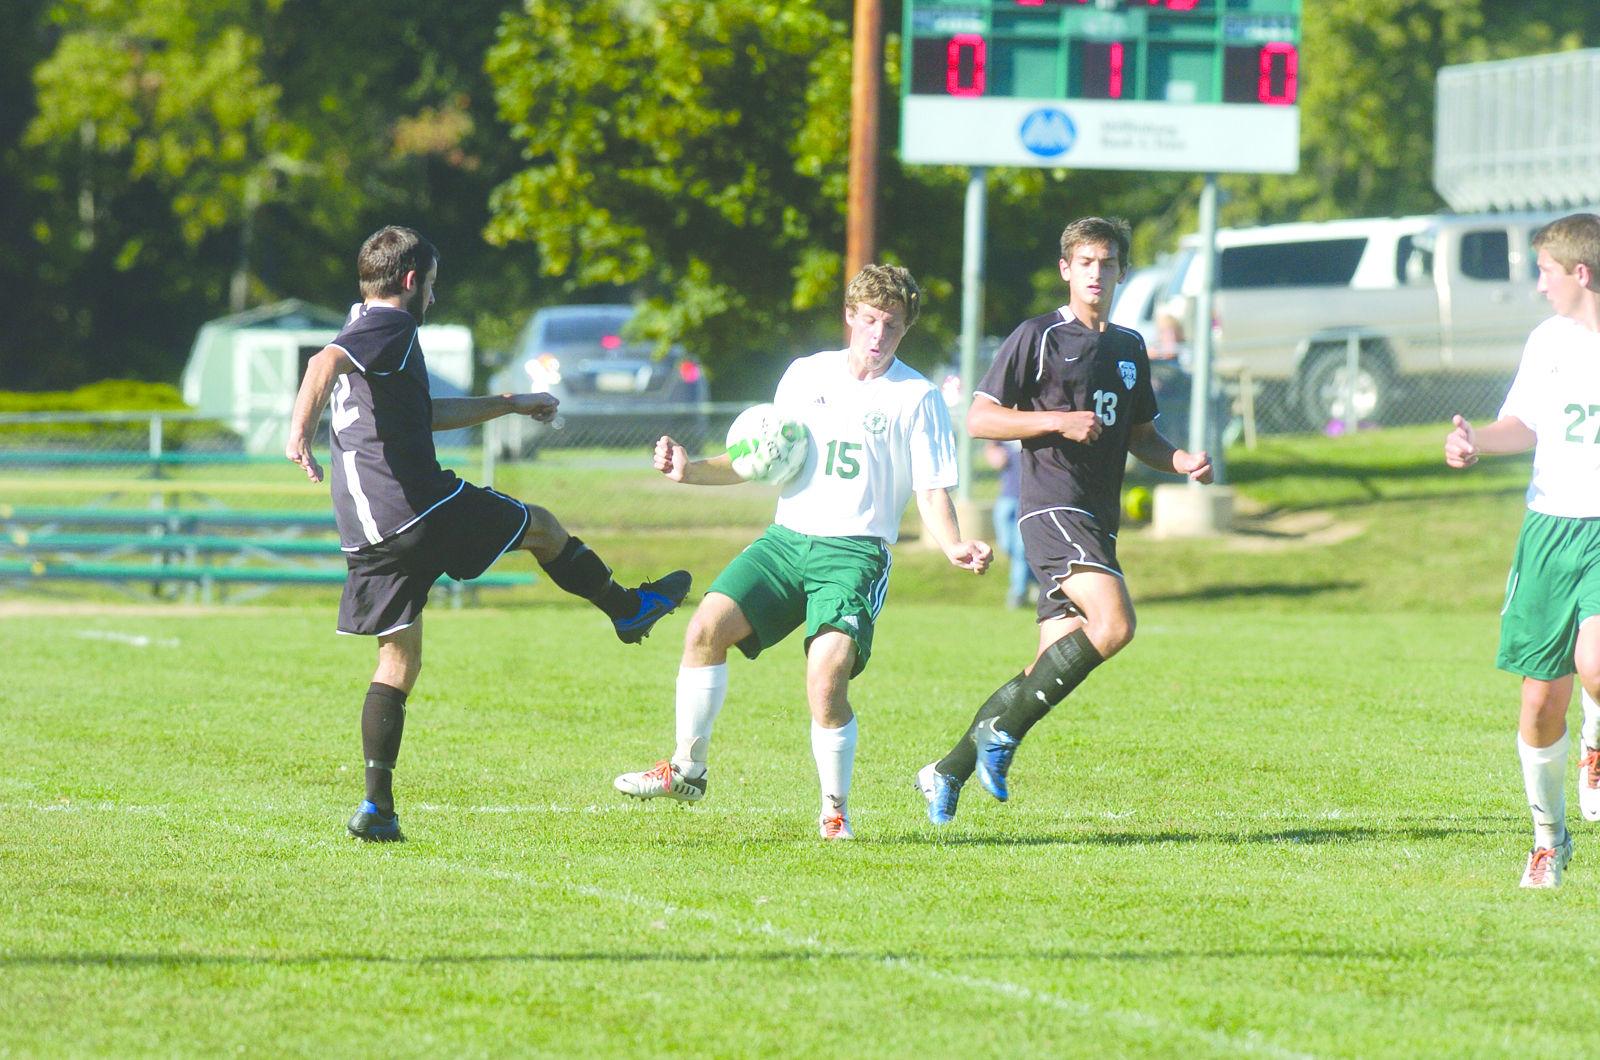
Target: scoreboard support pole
1189, 509
973, 237
1200, 369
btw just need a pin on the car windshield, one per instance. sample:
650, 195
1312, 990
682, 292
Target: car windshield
586, 327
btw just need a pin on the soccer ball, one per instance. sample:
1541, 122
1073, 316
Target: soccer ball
765, 447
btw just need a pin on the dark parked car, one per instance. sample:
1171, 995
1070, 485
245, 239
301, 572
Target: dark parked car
613, 392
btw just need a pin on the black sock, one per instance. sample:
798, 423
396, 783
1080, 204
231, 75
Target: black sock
1061, 668
383, 720
963, 757
582, 573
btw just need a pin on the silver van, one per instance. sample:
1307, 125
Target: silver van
1425, 295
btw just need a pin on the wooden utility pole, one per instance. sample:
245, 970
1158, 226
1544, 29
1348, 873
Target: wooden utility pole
861, 244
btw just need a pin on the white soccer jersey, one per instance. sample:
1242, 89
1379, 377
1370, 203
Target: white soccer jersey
873, 441
1557, 394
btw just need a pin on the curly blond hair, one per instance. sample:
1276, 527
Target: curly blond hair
886, 287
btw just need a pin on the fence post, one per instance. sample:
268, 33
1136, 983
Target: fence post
491, 434
1352, 369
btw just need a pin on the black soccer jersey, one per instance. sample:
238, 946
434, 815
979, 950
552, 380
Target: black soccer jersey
386, 474
1055, 363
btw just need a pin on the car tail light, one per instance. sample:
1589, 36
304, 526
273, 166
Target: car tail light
689, 371
610, 342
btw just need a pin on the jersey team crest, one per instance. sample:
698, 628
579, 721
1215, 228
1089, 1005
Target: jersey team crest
876, 422
1130, 373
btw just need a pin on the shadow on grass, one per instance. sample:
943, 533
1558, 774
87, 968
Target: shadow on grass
888, 957
1286, 836
1242, 591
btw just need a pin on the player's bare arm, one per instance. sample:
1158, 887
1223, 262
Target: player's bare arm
452, 413
672, 460
939, 516
989, 419
322, 371
1152, 449
1464, 444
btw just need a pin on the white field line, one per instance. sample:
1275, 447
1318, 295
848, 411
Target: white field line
1228, 1043
134, 640
1249, 1043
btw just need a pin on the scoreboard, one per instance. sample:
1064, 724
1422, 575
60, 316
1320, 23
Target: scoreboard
1199, 85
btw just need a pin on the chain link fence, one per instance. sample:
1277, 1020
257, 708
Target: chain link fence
178, 506
1357, 380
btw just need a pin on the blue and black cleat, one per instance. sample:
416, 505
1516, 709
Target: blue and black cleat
657, 600
995, 751
373, 826
941, 790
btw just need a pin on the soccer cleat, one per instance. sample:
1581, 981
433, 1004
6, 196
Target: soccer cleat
941, 791
834, 826
995, 751
370, 825
1545, 865
664, 779
657, 600
1589, 782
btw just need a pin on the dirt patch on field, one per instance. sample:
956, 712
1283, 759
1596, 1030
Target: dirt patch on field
1273, 532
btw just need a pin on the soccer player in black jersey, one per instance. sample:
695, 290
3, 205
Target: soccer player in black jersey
403, 520
1075, 390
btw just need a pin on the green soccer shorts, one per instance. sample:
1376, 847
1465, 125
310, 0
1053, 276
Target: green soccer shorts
1553, 586
785, 578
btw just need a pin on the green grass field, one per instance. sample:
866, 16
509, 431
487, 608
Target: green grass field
1286, 822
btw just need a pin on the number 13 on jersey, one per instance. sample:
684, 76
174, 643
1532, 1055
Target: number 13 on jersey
1105, 406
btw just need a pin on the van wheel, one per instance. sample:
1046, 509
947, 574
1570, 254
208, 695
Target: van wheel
1327, 392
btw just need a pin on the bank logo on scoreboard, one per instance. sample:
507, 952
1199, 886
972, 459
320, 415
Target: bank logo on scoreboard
1048, 132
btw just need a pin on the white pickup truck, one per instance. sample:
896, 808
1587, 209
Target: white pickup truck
1419, 295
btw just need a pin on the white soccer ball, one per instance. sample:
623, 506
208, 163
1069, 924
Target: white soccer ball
765, 447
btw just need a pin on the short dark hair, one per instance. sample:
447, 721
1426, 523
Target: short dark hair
1100, 232
386, 257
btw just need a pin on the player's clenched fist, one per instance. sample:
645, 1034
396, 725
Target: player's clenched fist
670, 458
974, 556
1081, 426
1461, 444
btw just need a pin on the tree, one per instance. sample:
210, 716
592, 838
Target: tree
692, 151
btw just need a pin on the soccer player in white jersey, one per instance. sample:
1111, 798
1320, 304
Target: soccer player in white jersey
879, 433
1550, 624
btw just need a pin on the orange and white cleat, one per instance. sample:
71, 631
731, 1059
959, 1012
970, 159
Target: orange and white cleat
835, 826
1589, 782
1545, 865
663, 780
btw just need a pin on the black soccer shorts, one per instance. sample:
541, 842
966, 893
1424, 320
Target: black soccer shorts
1062, 541
387, 584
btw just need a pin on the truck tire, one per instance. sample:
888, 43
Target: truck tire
1324, 388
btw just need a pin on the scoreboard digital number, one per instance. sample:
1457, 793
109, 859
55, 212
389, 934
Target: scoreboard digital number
1202, 85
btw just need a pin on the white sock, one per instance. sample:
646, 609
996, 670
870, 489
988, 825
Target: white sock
835, 752
1543, 773
701, 690
1591, 720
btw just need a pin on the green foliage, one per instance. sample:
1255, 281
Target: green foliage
691, 155
108, 395
693, 151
